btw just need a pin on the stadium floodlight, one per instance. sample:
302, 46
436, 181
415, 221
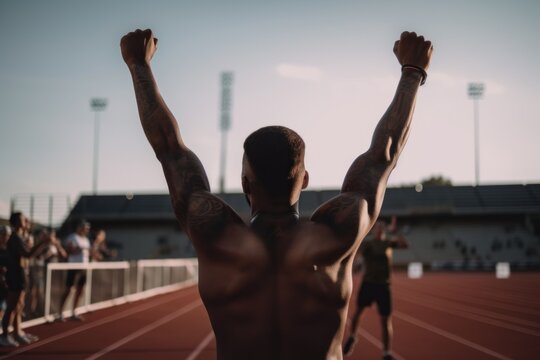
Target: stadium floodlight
97, 105
225, 122
476, 91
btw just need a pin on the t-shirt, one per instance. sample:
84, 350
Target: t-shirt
79, 242
377, 256
17, 255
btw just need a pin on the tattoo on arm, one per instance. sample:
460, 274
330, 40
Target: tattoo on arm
206, 213
158, 123
145, 90
368, 175
341, 214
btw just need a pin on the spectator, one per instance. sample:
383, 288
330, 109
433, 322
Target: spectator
5, 233
100, 250
38, 265
78, 250
17, 280
55, 252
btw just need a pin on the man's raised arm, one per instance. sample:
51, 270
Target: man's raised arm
184, 172
368, 175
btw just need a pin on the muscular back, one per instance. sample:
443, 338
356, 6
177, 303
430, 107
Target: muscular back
277, 288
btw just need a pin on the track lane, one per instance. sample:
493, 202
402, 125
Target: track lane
426, 324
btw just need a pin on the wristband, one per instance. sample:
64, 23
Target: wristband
417, 68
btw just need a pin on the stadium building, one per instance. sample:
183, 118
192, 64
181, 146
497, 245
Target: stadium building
446, 226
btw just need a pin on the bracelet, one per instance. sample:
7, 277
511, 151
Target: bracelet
417, 68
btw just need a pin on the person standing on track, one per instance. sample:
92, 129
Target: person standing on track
5, 233
278, 287
77, 247
17, 280
377, 255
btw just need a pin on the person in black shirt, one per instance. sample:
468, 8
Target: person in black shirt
5, 233
17, 280
377, 266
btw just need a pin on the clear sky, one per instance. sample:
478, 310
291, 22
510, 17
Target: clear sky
323, 68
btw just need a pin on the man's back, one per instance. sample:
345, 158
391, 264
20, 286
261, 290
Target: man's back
270, 297
279, 288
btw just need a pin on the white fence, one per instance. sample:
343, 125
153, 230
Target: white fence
112, 283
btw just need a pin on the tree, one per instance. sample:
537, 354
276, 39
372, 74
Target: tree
436, 180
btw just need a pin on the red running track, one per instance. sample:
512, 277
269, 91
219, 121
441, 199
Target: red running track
440, 316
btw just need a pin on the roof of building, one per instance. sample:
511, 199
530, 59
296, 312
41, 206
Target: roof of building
403, 201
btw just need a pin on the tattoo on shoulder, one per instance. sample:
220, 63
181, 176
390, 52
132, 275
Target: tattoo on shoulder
339, 208
207, 214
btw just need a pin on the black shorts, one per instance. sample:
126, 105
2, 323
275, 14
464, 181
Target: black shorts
16, 280
76, 276
378, 293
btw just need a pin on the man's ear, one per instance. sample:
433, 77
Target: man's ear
305, 181
245, 185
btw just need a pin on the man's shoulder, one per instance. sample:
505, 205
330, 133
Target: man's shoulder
72, 236
209, 217
346, 214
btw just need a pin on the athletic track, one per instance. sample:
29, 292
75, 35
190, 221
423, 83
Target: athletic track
440, 316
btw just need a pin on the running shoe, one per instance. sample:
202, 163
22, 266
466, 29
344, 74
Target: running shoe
31, 337
22, 339
76, 318
8, 341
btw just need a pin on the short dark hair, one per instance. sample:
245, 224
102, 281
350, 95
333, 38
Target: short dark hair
15, 219
82, 223
275, 154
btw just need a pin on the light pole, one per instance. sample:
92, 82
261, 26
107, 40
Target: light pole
225, 123
475, 91
97, 105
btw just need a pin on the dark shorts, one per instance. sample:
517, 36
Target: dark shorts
76, 277
378, 293
16, 280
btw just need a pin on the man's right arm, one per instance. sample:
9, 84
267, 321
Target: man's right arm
369, 173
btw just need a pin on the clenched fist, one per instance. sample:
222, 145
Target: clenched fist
414, 50
138, 47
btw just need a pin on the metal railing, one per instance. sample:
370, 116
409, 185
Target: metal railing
113, 283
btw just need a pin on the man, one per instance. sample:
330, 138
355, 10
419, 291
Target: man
377, 255
77, 247
5, 233
17, 280
276, 288
100, 250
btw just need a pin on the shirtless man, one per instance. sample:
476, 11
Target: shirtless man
278, 287
377, 255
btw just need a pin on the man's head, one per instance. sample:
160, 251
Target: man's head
83, 228
17, 220
274, 162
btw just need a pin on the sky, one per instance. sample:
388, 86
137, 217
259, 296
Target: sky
323, 68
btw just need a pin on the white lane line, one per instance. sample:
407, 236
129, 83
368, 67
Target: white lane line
372, 339
445, 303
147, 328
91, 325
201, 346
467, 314
449, 335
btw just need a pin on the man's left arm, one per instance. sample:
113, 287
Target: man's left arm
201, 214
